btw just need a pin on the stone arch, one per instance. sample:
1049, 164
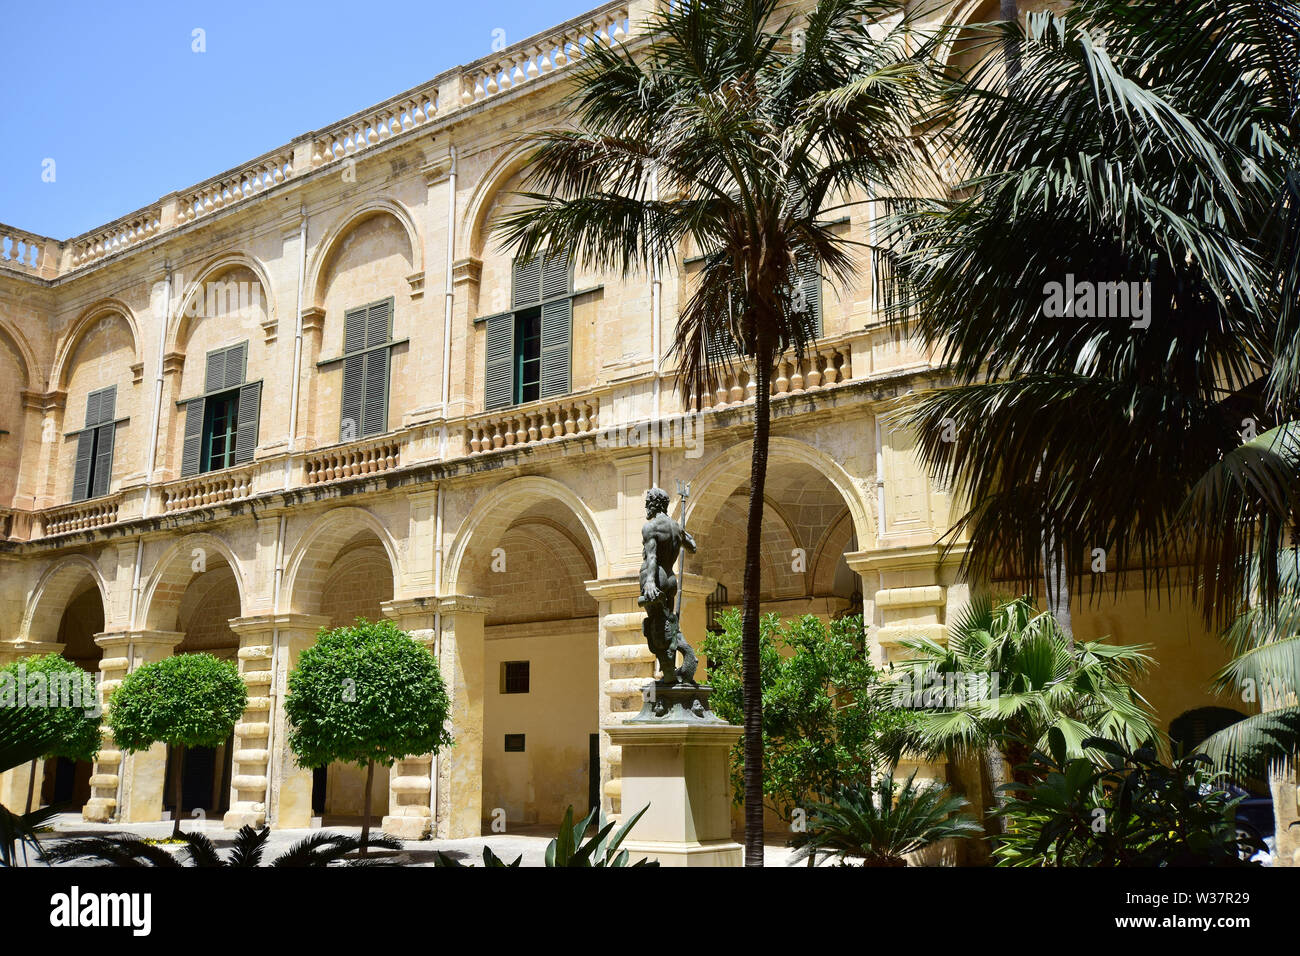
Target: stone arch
472, 238
22, 351
68, 345
720, 477
55, 589
160, 600
179, 325
309, 563
318, 268
493, 513
828, 555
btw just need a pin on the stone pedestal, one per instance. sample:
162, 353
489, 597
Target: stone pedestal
678, 764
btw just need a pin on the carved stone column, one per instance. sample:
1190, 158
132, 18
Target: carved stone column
460, 769
410, 785
128, 787
266, 783
625, 666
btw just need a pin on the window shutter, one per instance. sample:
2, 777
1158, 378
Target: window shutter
250, 403
527, 287
81, 472
378, 319
498, 381
193, 443
810, 283
214, 379
354, 330
719, 347
557, 323
236, 364
100, 406
103, 459
375, 413
555, 275
354, 370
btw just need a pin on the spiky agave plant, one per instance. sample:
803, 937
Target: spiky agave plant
882, 823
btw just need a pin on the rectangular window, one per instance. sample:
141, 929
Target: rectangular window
529, 349
514, 743
94, 465
514, 677
367, 347
221, 425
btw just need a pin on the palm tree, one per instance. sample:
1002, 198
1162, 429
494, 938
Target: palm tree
319, 849
1007, 677
882, 824
727, 130
1145, 143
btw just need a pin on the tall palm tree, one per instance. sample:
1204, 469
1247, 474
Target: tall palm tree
1031, 679
1152, 144
753, 134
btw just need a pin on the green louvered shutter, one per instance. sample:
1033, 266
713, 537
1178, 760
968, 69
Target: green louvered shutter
192, 445
354, 372
810, 283
103, 472
374, 418
214, 378
557, 326
225, 368
557, 337
498, 381
526, 289
81, 471
107, 406
250, 404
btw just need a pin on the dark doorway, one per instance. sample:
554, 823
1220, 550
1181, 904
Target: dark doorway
205, 783
593, 772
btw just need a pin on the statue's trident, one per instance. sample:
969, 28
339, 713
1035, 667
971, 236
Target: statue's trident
684, 492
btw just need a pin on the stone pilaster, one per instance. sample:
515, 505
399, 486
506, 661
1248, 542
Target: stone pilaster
460, 769
625, 666
128, 787
410, 784
266, 785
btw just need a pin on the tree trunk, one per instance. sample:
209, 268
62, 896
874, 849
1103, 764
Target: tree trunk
750, 677
365, 820
31, 786
176, 790
995, 769
1010, 52
1057, 585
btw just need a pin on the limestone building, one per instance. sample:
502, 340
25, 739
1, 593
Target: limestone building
314, 387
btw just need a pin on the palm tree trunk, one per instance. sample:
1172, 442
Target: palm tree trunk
31, 787
995, 769
1057, 585
176, 790
365, 820
750, 677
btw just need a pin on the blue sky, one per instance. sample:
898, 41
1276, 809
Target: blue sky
115, 95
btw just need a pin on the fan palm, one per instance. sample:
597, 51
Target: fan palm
726, 131
882, 824
319, 849
1152, 144
1008, 676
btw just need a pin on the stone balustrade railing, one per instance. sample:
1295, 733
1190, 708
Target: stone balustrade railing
529, 59
208, 489
352, 460
232, 187
824, 364
378, 125
22, 250
534, 422
112, 238
453, 90
81, 516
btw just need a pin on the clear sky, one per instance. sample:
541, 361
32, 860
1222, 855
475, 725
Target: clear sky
116, 96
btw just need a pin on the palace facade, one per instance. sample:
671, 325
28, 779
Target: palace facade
315, 387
